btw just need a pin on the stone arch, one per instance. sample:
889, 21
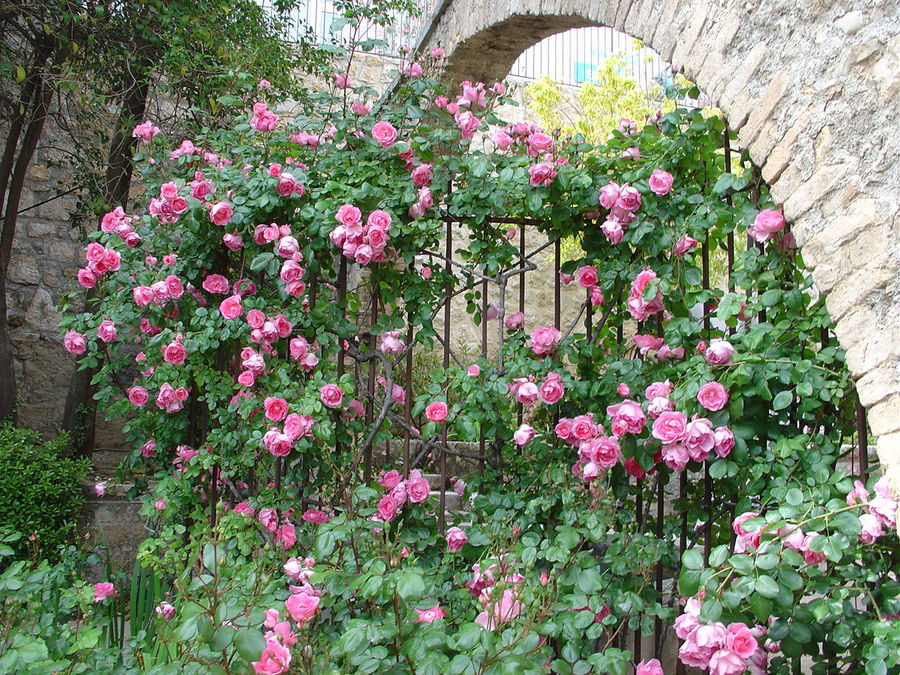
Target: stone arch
812, 89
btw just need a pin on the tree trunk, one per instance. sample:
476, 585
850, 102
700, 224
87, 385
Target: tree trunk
15, 162
80, 413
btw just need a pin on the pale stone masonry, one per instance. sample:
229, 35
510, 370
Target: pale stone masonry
813, 90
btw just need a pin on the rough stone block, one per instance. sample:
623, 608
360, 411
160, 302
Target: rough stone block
854, 289
777, 151
765, 107
884, 418
877, 385
873, 351
740, 79
786, 185
888, 447
855, 326
818, 185
24, 271
688, 36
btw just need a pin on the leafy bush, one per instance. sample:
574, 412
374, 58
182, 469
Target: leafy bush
39, 492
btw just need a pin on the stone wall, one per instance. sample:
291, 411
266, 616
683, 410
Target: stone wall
812, 88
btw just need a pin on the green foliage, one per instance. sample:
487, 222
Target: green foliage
39, 490
49, 621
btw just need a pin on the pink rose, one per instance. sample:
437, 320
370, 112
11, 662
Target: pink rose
388, 508
613, 231
274, 660
417, 487
302, 606
544, 340
216, 283
660, 182
651, 667
609, 195
541, 174
724, 441
766, 224
348, 215
74, 342
174, 352
628, 417
584, 428
230, 307
456, 539
359, 108
712, 396
552, 389
468, 124
685, 245
502, 140
384, 133
669, 427
276, 408
104, 591
719, 352
658, 389
523, 435
331, 395
297, 426
587, 276
474, 370
390, 479
380, 219
740, 640
107, 332
871, 528
433, 614
220, 213
422, 175
699, 439
514, 321
436, 411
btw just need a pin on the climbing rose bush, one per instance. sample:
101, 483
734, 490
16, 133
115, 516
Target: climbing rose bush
273, 263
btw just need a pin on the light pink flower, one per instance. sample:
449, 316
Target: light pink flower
331, 395
523, 435
104, 591
436, 411
456, 539
766, 224
719, 352
430, 615
384, 133
651, 667
230, 307
544, 340
712, 396
660, 182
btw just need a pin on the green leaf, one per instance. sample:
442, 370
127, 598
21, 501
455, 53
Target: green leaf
249, 644
260, 262
761, 606
766, 586
782, 400
692, 559
410, 585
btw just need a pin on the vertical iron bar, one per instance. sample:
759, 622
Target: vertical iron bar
407, 408
370, 386
484, 346
682, 541
657, 622
639, 514
557, 291
448, 254
862, 440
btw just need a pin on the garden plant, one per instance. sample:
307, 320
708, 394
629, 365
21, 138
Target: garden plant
277, 265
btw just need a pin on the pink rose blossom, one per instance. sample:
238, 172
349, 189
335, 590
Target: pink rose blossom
230, 307
331, 395
712, 396
220, 213
430, 615
388, 508
660, 182
474, 370
75, 343
456, 539
766, 224
436, 411
384, 133
685, 245
719, 352
669, 427
544, 340
104, 591
524, 434
651, 667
